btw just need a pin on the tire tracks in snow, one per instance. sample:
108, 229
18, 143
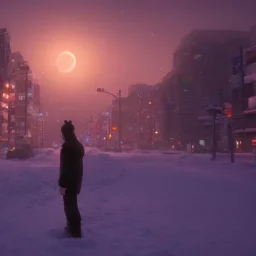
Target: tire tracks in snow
105, 171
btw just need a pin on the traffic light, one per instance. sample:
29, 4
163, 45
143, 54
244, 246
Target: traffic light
114, 128
100, 90
227, 110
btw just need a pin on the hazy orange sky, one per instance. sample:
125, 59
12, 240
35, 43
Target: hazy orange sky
117, 43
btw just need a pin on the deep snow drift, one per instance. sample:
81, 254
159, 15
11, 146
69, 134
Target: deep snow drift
136, 204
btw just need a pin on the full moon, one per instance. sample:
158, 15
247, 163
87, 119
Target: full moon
66, 62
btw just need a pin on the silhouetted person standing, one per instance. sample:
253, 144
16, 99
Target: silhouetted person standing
71, 175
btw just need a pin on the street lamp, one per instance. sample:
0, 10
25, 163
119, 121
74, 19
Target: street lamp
119, 97
151, 123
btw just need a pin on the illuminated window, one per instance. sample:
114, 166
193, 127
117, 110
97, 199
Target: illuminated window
21, 96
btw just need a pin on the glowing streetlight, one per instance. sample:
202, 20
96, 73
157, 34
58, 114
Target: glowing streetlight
119, 128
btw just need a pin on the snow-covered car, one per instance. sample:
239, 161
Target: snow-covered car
19, 153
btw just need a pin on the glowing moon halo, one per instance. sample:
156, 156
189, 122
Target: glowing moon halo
68, 59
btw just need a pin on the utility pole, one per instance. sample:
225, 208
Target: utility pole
214, 110
106, 135
120, 120
231, 142
242, 76
26, 101
42, 134
11, 107
151, 124
214, 141
119, 98
106, 141
231, 145
9, 112
41, 124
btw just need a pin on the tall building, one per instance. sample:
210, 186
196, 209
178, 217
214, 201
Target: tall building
5, 51
20, 83
141, 116
244, 95
141, 88
15, 63
37, 131
170, 96
98, 132
201, 76
4, 111
28, 118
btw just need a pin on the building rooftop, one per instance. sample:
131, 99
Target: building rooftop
3, 31
16, 56
210, 35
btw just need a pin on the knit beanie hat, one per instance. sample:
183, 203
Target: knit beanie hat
67, 128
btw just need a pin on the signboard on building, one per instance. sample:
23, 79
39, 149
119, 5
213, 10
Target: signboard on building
250, 78
2, 139
252, 102
250, 55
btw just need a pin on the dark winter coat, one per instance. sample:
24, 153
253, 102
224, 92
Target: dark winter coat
71, 166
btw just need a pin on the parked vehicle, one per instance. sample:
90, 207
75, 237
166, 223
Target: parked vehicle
22, 152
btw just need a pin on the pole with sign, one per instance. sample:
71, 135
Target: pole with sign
228, 112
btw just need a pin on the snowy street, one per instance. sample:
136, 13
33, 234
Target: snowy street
136, 204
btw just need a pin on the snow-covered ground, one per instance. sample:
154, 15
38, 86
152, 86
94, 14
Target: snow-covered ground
136, 204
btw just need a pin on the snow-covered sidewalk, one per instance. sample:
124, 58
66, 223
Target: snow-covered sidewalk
136, 204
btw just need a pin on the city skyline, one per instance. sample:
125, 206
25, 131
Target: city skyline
116, 44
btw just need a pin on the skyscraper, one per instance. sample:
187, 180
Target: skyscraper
5, 53
201, 74
244, 95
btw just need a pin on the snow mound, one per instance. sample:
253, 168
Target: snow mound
45, 151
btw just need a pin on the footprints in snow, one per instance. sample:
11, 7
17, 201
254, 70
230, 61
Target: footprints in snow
88, 241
